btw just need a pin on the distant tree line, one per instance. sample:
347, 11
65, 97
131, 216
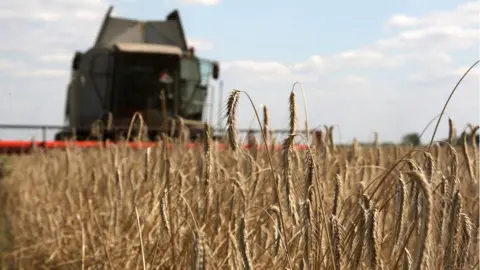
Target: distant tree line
414, 139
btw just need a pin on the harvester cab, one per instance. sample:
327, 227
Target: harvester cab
124, 72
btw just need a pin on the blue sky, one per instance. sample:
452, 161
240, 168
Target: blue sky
306, 27
365, 65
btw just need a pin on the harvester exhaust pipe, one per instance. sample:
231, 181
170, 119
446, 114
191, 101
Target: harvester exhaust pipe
102, 29
220, 105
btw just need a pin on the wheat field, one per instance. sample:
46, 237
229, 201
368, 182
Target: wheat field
325, 207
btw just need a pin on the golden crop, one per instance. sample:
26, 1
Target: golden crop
328, 207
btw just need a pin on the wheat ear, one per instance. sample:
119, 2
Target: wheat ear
466, 155
266, 121
421, 182
232, 105
452, 131
293, 113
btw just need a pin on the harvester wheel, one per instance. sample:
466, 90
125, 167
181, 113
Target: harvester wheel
63, 135
68, 135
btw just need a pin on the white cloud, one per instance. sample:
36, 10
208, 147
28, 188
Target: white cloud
201, 44
441, 31
43, 73
402, 20
440, 38
46, 27
6, 65
458, 72
199, 2
314, 62
466, 14
260, 67
366, 58
51, 11
55, 57
355, 79
44, 34
22, 69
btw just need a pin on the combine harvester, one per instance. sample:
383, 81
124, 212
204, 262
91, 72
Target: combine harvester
121, 75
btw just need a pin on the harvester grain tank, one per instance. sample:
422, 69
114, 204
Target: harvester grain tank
121, 74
